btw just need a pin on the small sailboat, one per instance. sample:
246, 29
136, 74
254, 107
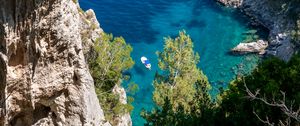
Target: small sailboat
146, 62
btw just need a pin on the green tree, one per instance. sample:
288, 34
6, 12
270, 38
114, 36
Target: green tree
181, 90
111, 56
178, 61
268, 96
241, 106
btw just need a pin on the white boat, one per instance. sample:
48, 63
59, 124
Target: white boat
146, 62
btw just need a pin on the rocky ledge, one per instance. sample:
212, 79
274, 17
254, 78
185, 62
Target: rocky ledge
273, 16
251, 47
122, 120
231, 3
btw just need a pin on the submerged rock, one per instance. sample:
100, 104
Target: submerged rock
251, 47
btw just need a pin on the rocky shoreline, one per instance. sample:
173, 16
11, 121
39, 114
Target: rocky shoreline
272, 18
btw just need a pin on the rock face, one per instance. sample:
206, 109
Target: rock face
272, 17
44, 77
232, 3
122, 120
251, 47
90, 31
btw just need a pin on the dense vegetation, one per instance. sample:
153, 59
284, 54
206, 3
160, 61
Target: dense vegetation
110, 57
269, 95
180, 74
181, 90
274, 79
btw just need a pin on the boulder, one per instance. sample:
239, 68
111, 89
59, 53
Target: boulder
251, 47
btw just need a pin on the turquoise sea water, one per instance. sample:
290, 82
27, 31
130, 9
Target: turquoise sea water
143, 23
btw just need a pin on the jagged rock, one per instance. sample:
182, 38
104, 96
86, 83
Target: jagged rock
281, 46
90, 32
251, 47
44, 79
122, 120
272, 18
232, 3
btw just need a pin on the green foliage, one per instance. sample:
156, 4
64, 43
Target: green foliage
112, 106
132, 88
296, 33
271, 77
181, 91
111, 57
201, 112
182, 104
167, 117
178, 62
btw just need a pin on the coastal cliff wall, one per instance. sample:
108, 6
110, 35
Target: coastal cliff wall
44, 77
272, 15
90, 32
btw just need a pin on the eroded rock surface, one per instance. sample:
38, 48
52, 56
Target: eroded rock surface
125, 119
44, 78
231, 3
251, 47
273, 16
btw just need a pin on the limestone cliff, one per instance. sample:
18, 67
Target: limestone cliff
122, 120
272, 15
90, 31
44, 78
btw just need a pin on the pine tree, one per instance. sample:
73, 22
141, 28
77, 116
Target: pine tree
181, 90
178, 61
111, 56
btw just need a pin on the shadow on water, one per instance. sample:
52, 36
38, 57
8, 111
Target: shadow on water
177, 24
128, 74
195, 23
139, 70
239, 16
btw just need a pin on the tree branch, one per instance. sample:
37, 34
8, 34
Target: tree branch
280, 104
264, 121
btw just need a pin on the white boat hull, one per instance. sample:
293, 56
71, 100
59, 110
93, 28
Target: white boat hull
143, 60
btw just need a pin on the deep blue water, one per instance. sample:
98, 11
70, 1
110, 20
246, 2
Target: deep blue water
144, 23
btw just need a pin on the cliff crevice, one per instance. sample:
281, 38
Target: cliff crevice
44, 78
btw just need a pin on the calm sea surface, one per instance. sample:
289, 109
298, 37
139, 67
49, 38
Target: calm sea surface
143, 23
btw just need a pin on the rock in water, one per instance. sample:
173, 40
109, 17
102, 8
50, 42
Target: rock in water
44, 79
252, 47
265, 13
